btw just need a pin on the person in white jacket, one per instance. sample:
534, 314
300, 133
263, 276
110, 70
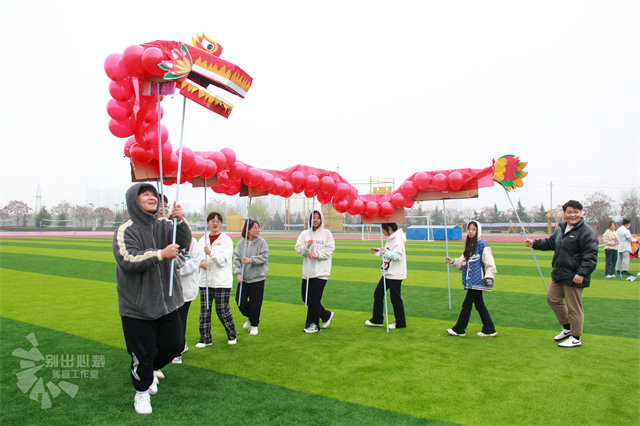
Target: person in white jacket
216, 281
624, 247
395, 270
316, 245
189, 279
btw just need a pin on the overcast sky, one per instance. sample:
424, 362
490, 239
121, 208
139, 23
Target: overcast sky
372, 88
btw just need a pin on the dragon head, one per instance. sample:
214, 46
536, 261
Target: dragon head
196, 68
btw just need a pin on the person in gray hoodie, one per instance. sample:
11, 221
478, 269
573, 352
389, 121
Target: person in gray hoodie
143, 248
252, 252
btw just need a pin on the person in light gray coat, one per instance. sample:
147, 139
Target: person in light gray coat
251, 252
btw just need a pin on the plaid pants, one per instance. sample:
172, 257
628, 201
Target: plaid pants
221, 296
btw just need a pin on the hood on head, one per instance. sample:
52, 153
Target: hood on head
478, 227
137, 214
321, 220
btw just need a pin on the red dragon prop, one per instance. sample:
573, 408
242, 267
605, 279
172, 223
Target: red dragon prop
143, 73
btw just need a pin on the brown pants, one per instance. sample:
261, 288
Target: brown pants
572, 312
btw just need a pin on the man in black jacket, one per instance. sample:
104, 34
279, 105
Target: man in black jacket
576, 254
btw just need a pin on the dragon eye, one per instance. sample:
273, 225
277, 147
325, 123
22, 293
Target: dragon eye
209, 47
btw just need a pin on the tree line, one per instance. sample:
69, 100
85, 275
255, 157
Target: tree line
599, 209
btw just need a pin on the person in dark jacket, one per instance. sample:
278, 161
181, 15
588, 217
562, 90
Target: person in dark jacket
576, 254
143, 248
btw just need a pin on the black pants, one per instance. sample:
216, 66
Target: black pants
152, 344
184, 312
474, 297
250, 302
611, 257
394, 287
315, 310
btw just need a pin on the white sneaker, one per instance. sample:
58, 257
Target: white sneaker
200, 345
153, 389
481, 334
571, 343
254, 331
177, 360
186, 347
392, 326
159, 374
313, 328
142, 403
233, 342
372, 324
563, 335
453, 333
247, 325
326, 324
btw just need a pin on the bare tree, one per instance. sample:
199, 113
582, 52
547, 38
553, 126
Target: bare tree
82, 213
104, 214
598, 208
20, 209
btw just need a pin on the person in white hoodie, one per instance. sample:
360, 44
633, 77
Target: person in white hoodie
395, 270
624, 247
316, 245
190, 279
217, 276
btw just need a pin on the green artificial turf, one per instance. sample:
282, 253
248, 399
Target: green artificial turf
348, 373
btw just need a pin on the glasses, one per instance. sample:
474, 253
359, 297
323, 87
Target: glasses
215, 221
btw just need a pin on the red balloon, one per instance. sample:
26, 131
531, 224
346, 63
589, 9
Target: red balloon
309, 194
298, 189
267, 182
238, 170
297, 179
386, 209
421, 181
253, 177
229, 155
141, 154
312, 183
323, 197
132, 59
121, 129
456, 181
327, 184
210, 169
288, 189
188, 158
119, 110
166, 151
342, 190
409, 204
219, 159
440, 182
408, 189
398, 200
357, 207
121, 90
151, 114
127, 145
371, 209
278, 187
114, 67
197, 168
151, 134
340, 204
170, 164
151, 58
